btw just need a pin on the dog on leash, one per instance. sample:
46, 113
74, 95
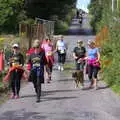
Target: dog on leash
78, 77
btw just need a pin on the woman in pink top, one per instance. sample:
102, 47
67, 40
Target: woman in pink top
48, 47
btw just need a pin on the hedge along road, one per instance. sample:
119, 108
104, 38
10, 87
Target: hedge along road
61, 100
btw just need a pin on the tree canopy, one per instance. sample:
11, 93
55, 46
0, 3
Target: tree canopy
14, 11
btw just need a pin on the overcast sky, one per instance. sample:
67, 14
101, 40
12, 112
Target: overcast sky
82, 4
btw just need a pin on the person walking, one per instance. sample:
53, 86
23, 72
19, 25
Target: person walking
93, 64
37, 60
30, 51
16, 71
49, 51
61, 49
79, 52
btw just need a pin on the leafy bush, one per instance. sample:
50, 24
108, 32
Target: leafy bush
61, 27
111, 47
110, 50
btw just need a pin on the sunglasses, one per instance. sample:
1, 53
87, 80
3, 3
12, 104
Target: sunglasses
15, 47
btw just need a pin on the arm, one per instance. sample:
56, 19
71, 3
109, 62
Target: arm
66, 46
74, 56
56, 48
44, 58
29, 63
22, 60
98, 55
86, 56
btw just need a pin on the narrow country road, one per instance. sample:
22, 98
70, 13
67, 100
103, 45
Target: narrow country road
61, 100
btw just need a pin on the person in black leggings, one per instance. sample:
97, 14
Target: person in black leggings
61, 49
16, 59
93, 64
37, 60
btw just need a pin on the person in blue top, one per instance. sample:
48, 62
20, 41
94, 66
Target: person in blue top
93, 58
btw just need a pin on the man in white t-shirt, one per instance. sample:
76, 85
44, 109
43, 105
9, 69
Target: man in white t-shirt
61, 50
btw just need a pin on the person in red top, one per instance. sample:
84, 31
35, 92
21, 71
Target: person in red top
37, 60
30, 51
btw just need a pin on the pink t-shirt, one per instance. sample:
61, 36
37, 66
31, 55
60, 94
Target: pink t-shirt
48, 49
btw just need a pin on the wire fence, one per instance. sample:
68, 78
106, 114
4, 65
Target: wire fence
30, 32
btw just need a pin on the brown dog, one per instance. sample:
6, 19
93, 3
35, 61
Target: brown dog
79, 78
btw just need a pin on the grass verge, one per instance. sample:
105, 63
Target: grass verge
116, 89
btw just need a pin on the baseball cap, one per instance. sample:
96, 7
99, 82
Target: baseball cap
15, 45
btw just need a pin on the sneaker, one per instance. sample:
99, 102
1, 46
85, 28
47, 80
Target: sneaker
95, 87
17, 97
12, 96
59, 67
62, 68
48, 81
38, 100
81, 87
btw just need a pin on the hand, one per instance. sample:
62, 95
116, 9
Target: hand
85, 58
46, 66
5, 84
80, 59
75, 57
96, 61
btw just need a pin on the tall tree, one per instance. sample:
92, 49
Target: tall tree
46, 8
10, 11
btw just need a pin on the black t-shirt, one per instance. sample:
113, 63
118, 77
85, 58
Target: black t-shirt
16, 59
79, 52
37, 60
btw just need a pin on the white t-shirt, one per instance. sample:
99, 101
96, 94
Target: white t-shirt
61, 45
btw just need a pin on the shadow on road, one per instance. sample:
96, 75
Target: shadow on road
57, 98
66, 80
22, 115
104, 87
86, 32
46, 93
99, 88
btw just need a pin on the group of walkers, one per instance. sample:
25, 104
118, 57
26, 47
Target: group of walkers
90, 58
39, 58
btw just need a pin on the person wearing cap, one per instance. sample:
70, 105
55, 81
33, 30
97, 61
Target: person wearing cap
37, 59
16, 63
61, 49
49, 51
93, 64
79, 52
